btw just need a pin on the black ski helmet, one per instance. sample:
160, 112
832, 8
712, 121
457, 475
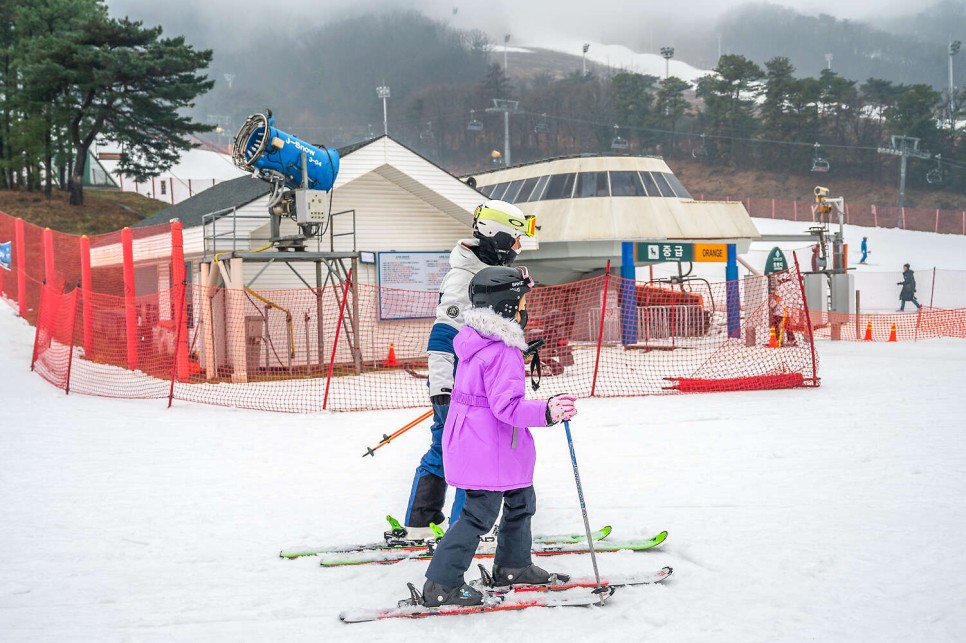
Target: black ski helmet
500, 288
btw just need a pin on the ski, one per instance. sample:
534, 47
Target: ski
492, 602
486, 550
485, 582
396, 541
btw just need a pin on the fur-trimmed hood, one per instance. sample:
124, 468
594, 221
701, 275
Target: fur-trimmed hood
490, 326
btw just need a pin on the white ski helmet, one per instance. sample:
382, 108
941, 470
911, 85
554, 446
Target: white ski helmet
493, 217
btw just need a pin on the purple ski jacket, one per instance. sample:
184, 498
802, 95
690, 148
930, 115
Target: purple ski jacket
486, 442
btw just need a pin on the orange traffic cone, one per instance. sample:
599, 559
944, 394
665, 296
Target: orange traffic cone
391, 358
892, 334
772, 340
868, 332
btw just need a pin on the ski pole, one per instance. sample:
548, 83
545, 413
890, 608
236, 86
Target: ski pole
386, 439
583, 508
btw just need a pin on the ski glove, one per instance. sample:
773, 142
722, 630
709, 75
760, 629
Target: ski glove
560, 407
440, 400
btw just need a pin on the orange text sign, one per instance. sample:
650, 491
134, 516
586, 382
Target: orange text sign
711, 252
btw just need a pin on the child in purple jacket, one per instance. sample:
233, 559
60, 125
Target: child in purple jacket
487, 447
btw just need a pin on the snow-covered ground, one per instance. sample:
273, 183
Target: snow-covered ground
829, 514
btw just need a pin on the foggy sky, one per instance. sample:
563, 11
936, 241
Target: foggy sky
237, 24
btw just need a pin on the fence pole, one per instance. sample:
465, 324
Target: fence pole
86, 290
73, 328
937, 220
180, 288
21, 269
932, 292
49, 269
600, 329
176, 367
130, 304
808, 319
335, 342
875, 216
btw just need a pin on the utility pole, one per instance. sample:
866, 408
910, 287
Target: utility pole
505, 106
587, 47
506, 44
953, 50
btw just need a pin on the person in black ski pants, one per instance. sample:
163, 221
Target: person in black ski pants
497, 228
908, 292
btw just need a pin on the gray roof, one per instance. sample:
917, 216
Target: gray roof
227, 194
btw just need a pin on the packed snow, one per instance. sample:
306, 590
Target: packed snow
829, 514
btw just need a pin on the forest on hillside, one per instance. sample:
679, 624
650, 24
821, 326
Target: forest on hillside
444, 81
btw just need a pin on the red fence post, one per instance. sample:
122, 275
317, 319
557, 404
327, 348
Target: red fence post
808, 317
335, 342
21, 269
86, 289
179, 298
600, 329
49, 270
937, 220
130, 305
875, 216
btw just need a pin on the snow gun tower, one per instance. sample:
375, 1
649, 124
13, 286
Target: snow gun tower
300, 230
830, 281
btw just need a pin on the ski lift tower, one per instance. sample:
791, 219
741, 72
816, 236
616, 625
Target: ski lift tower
903, 147
505, 106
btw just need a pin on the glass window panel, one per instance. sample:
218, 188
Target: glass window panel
510, 195
499, 191
677, 186
487, 190
626, 184
649, 185
526, 190
540, 188
561, 186
591, 184
662, 184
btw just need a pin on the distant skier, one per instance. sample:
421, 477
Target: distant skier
865, 249
908, 292
497, 228
487, 448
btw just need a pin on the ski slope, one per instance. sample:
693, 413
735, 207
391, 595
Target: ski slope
832, 514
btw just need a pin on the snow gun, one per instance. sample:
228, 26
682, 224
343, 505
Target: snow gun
299, 172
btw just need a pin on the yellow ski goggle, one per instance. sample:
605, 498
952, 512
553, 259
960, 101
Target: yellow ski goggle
527, 226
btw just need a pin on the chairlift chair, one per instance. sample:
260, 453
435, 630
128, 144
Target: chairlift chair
699, 151
819, 164
474, 125
427, 134
935, 175
618, 143
542, 127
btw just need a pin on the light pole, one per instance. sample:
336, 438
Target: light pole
505, 106
586, 47
668, 54
506, 42
828, 61
383, 93
229, 77
953, 50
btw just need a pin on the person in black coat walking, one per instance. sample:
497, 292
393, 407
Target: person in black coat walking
908, 292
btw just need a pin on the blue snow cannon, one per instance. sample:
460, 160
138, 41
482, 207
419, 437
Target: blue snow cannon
275, 156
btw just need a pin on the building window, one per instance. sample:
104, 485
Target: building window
662, 184
649, 185
591, 184
539, 189
626, 184
561, 186
526, 190
510, 196
499, 190
486, 190
679, 190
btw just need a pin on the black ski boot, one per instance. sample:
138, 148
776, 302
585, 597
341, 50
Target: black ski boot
531, 575
435, 595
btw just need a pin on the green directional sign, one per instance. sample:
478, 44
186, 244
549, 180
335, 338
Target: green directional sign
663, 251
776, 261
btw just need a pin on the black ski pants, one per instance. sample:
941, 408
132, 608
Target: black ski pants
454, 554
